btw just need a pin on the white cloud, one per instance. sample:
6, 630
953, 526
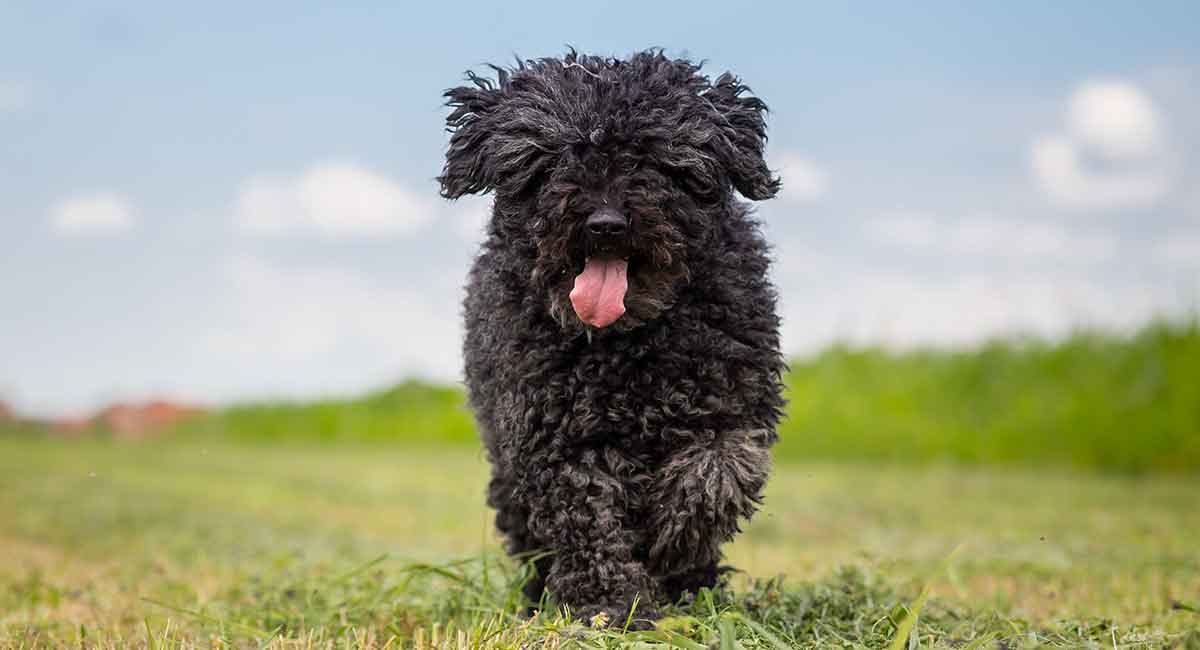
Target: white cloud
991, 237
803, 179
100, 212
319, 327
1115, 119
13, 97
825, 299
1179, 250
1063, 175
1110, 154
334, 198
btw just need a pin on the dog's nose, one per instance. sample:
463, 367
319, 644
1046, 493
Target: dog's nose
607, 223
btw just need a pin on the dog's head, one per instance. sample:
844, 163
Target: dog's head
610, 176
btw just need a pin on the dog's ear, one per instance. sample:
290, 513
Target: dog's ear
468, 168
742, 137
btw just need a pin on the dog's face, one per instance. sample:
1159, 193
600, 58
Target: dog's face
610, 176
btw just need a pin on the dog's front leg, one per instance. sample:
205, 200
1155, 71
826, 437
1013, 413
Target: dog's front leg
579, 512
701, 492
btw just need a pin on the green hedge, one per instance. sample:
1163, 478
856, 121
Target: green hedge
1093, 400
412, 411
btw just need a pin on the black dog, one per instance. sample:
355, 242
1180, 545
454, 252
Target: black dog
622, 348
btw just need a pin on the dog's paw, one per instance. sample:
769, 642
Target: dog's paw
701, 494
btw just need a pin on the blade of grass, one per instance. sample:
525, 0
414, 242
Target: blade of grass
762, 631
978, 643
632, 609
359, 569
906, 626
728, 634
209, 619
669, 637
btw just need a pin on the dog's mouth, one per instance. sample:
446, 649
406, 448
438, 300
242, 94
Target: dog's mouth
599, 292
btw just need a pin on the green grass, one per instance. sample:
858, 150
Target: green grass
193, 543
1092, 401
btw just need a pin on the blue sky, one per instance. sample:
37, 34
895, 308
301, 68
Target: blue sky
229, 202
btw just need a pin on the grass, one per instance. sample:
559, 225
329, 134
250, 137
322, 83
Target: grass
191, 543
1093, 401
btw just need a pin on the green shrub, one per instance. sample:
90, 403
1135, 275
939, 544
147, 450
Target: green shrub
1092, 400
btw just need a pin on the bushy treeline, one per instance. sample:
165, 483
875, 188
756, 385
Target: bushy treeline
1092, 400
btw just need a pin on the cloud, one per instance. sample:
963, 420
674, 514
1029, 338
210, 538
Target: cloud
1115, 119
1110, 154
824, 298
13, 97
326, 328
93, 213
803, 179
1061, 171
1179, 250
339, 199
990, 237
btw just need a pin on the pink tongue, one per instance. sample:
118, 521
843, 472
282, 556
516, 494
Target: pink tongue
599, 293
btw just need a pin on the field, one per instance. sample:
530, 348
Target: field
198, 542
1066, 474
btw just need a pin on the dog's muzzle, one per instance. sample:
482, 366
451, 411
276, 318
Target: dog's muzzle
599, 292
608, 233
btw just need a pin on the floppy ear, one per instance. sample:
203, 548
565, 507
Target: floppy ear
468, 169
741, 138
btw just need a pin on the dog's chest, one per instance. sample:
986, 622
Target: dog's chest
638, 392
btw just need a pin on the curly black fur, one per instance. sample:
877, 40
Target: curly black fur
630, 452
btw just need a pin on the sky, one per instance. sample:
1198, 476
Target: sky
236, 201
